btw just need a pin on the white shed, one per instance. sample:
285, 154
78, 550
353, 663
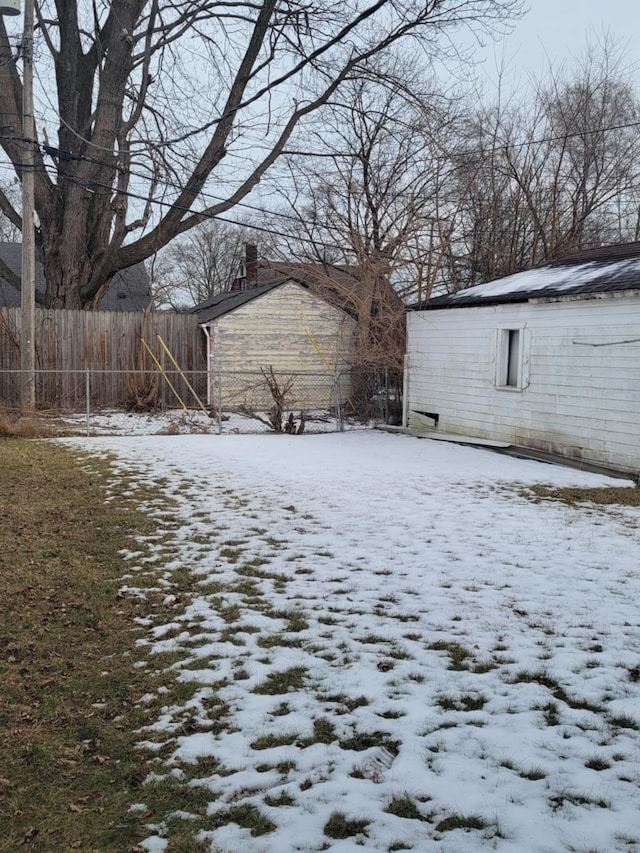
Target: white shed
547, 359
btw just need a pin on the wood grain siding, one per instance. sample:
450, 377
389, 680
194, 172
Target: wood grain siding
270, 331
577, 399
107, 343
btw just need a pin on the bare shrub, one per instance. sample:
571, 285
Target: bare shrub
143, 384
279, 389
28, 428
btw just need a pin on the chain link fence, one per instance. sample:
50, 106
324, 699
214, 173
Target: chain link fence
224, 401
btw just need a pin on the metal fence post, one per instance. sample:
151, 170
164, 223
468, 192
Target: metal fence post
386, 395
338, 398
219, 406
87, 392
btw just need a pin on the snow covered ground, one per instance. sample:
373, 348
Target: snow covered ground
394, 647
180, 422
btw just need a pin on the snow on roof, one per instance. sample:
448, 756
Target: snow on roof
554, 280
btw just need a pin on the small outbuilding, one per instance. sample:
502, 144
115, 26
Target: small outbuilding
547, 359
290, 321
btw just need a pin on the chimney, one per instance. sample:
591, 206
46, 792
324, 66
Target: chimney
251, 264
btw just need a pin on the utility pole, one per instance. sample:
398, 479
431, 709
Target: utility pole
27, 344
28, 283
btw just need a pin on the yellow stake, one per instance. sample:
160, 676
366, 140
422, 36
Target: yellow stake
328, 366
160, 368
187, 383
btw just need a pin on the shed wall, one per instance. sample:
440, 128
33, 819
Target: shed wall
579, 392
270, 331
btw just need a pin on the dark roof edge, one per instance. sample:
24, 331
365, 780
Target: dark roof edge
470, 302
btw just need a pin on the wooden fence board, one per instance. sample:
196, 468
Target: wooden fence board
108, 344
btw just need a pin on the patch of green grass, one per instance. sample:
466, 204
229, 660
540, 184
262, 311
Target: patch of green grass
460, 821
232, 635
340, 826
231, 554
622, 721
246, 816
272, 641
623, 496
575, 798
282, 682
270, 741
251, 570
210, 587
323, 731
398, 653
365, 740
182, 797
346, 704
295, 619
247, 587
596, 762
230, 613
551, 714
372, 639
557, 691
533, 774
405, 807
205, 765
482, 666
283, 799
465, 702
70, 714
458, 655
240, 674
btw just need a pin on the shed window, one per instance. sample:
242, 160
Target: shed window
513, 357
509, 358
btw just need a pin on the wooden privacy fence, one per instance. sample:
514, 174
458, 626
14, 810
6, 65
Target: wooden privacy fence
108, 344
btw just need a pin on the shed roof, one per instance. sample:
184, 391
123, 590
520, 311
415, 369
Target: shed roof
129, 289
336, 285
610, 269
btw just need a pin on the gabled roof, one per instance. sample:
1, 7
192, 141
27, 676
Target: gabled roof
610, 269
223, 303
129, 290
333, 284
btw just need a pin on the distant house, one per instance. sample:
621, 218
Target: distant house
295, 318
546, 359
130, 289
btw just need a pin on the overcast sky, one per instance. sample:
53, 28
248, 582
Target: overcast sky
553, 30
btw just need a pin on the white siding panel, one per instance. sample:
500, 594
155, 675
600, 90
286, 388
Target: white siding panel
578, 399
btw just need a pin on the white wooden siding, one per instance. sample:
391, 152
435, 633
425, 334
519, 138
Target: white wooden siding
577, 399
270, 331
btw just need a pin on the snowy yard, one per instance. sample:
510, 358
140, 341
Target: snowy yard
394, 647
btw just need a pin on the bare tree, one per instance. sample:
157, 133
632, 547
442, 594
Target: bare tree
545, 178
371, 199
165, 113
200, 264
